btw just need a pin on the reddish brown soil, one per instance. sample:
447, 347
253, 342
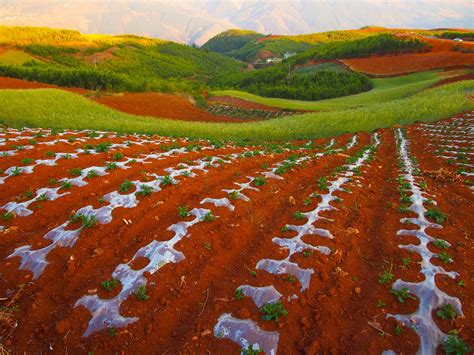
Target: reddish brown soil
10, 83
455, 79
145, 104
159, 105
440, 55
337, 314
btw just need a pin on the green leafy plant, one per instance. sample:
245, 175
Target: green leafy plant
26, 161
272, 311
167, 180
109, 285
86, 221
440, 243
436, 215
125, 186
117, 156
183, 211
402, 294
239, 294
141, 293
112, 332
7, 216
259, 181
250, 350
66, 185
42, 198
111, 166
323, 183
76, 172
92, 174
234, 195
445, 258
298, 215
144, 191
16, 171
385, 277
446, 312
455, 345
103, 147
209, 217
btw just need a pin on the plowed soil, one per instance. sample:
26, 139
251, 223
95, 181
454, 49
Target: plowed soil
441, 55
160, 105
144, 104
345, 306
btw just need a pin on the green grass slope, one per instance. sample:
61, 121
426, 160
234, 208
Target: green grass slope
14, 57
230, 40
385, 89
59, 109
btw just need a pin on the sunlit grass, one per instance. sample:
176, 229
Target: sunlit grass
385, 89
59, 109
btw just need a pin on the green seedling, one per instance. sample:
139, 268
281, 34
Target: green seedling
234, 195
455, 345
111, 166
441, 244
66, 185
117, 156
402, 294
141, 293
446, 312
209, 217
167, 180
145, 190
445, 258
183, 211
239, 294
26, 161
385, 277
272, 311
436, 215
259, 181
298, 215
76, 172
109, 285
92, 174
125, 186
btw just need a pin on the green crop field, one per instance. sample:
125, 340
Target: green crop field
14, 57
385, 89
59, 109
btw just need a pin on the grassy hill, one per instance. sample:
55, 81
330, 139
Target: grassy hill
70, 58
384, 90
231, 40
249, 46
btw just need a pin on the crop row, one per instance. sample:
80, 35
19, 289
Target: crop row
239, 112
416, 201
246, 332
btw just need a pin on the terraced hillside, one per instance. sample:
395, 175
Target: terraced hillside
355, 244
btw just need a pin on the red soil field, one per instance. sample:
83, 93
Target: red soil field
190, 265
159, 105
440, 55
145, 104
454, 79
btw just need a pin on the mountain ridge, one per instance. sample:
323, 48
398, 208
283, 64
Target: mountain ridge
196, 21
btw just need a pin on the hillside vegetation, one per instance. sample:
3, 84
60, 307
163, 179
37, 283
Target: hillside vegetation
384, 90
230, 40
103, 62
59, 109
279, 81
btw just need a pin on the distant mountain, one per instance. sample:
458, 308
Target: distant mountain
196, 21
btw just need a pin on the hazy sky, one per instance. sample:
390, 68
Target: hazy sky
198, 20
